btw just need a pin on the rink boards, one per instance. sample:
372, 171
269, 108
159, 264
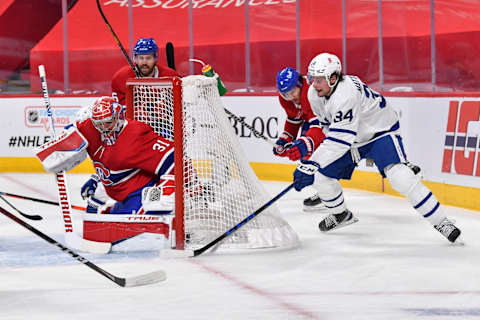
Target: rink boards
441, 133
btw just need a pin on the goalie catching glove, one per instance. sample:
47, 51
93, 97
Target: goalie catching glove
64, 152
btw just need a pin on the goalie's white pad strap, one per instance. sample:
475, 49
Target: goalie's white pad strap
64, 152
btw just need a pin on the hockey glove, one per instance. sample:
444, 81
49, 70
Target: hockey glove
304, 175
89, 187
282, 144
302, 148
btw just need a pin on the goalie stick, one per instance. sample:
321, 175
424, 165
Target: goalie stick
71, 239
149, 278
80, 208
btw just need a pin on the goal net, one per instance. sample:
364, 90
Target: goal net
215, 186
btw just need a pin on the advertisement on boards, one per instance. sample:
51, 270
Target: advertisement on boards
441, 134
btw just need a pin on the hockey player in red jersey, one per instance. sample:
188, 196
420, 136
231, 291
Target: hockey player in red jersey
302, 133
128, 157
145, 56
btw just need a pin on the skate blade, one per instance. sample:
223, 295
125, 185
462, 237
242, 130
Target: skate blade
351, 221
458, 242
318, 208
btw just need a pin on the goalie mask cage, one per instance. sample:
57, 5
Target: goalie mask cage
215, 187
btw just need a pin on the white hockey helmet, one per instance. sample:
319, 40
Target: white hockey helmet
324, 65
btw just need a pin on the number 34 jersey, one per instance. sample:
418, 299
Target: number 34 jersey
353, 115
137, 157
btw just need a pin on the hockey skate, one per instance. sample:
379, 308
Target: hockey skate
335, 221
313, 203
449, 231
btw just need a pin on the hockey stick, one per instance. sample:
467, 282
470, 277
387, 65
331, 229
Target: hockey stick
130, 62
71, 239
60, 176
240, 224
31, 217
171, 64
255, 132
170, 55
39, 200
141, 280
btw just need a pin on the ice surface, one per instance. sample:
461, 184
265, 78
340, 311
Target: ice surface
390, 265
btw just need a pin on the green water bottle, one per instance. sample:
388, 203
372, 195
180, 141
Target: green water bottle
207, 71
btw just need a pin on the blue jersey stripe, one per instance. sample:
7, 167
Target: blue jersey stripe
343, 131
338, 141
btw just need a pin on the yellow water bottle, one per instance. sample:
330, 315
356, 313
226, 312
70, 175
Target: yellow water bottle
207, 71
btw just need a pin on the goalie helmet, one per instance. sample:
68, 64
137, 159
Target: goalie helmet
107, 115
146, 46
324, 65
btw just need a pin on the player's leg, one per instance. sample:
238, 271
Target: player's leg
330, 191
313, 204
389, 157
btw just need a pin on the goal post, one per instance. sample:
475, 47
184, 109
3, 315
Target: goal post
215, 187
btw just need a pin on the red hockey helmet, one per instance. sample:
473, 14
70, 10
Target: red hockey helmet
107, 115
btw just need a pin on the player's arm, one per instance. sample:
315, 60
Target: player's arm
290, 129
119, 80
304, 146
341, 134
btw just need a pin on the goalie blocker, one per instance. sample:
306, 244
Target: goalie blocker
64, 152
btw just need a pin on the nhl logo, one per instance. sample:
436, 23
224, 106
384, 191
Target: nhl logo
32, 116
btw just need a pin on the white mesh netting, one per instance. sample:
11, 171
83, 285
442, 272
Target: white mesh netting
220, 188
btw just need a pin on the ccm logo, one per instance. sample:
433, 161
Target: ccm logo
461, 152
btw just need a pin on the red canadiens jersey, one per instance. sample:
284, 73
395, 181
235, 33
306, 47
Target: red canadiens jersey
297, 115
119, 79
137, 157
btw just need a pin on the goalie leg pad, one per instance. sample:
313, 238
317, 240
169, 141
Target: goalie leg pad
64, 152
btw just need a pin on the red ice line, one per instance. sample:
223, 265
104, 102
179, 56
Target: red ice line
256, 291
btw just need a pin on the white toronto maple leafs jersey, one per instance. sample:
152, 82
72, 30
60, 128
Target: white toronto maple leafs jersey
353, 115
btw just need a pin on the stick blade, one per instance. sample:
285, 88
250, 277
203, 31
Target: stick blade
146, 279
74, 241
95, 247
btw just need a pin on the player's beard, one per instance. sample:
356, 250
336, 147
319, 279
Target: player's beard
146, 70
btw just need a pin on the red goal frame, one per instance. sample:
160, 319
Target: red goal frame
176, 84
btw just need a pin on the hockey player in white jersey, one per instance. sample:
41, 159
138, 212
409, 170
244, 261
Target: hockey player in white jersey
359, 123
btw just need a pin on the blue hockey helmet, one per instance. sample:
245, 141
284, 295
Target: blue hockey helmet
287, 79
146, 46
